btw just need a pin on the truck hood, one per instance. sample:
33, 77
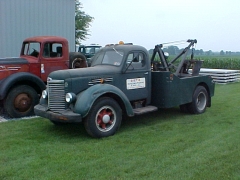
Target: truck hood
85, 72
13, 60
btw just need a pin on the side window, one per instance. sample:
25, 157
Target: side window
97, 49
31, 49
142, 59
46, 50
137, 59
81, 50
52, 50
88, 50
57, 49
129, 58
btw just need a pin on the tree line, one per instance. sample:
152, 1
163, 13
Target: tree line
82, 23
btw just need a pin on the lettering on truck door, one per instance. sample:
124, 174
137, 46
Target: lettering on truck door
137, 77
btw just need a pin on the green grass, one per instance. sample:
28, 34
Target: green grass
166, 144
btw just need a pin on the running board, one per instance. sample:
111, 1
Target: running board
143, 110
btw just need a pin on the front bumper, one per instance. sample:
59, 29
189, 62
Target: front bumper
64, 116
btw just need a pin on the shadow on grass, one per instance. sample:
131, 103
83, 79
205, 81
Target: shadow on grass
162, 115
73, 130
77, 130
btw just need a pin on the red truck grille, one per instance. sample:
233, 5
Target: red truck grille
56, 95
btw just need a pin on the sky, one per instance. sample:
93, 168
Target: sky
214, 23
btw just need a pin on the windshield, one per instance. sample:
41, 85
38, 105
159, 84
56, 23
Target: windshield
111, 57
92, 50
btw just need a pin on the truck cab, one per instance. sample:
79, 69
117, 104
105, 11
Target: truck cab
45, 54
89, 51
122, 81
134, 71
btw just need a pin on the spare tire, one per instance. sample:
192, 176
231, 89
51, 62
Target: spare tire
77, 60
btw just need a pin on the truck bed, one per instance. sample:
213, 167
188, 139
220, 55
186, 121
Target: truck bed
169, 90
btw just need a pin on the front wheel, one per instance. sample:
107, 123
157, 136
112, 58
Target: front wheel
104, 118
199, 101
20, 101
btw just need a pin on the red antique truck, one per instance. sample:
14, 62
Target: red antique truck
22, 79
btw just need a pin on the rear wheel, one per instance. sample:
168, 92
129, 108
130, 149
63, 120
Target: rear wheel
199, 101
20, 101
104, 118
77, 60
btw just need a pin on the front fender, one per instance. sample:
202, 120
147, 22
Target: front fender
20, 78
86, 98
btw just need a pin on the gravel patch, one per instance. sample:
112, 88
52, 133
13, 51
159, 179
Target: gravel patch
2, 119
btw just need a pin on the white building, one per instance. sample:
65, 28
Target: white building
20, 19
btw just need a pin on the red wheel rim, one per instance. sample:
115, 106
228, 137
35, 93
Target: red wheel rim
105, 118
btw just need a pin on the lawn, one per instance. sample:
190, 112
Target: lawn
166, 144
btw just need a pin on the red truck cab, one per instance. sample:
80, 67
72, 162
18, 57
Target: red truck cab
45, 54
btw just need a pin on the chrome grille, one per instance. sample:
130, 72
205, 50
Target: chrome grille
56, 95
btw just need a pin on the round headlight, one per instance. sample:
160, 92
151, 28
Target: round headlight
44, 94
70, 97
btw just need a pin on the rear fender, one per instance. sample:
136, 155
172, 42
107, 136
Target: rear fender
86, 98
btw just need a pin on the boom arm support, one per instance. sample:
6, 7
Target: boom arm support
167, 65
158, 49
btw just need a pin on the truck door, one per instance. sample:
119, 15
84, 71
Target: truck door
137, 77
52, 59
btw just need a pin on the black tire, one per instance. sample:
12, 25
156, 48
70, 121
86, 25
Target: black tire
199, 101
77, 60
104, 118
20, 101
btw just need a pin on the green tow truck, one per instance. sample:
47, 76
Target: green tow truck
124, 81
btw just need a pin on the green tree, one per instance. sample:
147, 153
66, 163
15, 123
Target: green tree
209, 52
173, 50
82, 23
222, 52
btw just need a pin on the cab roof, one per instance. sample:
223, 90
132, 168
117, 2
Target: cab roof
45, 38
126, 48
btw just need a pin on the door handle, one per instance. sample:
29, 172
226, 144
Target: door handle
146, 73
